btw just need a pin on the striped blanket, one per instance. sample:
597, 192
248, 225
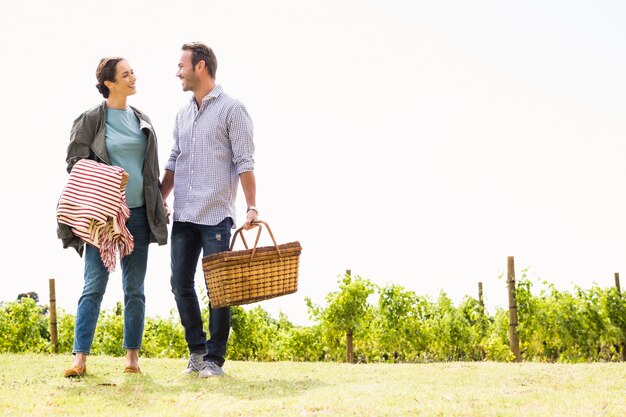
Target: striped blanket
93, 204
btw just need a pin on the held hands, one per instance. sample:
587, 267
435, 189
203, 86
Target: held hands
251, 216
167, 212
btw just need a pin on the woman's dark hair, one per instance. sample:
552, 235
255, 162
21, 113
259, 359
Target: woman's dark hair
106, 72
201, 52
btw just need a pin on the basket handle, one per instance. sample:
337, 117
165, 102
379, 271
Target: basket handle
260, 224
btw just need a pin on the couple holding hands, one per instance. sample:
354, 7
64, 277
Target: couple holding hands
213, 152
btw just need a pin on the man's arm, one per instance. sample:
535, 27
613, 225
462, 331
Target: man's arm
248, 183
167, 185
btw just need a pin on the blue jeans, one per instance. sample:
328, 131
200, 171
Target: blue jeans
96, 278
187, 241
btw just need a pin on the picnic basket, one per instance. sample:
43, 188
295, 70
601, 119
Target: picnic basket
251, 275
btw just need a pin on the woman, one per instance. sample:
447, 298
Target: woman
115, 133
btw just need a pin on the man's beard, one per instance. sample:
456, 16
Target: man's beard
190, 83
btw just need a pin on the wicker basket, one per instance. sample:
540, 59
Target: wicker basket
246, 276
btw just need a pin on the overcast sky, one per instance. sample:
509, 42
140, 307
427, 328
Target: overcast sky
414, 142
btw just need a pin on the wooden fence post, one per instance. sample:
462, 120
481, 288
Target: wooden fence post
349, 348
53, 316
349, 345
481, 302
619, 291
514, 341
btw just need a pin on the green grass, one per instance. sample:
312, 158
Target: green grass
32, 385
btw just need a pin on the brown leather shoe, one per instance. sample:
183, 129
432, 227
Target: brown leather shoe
75, 371
132, 369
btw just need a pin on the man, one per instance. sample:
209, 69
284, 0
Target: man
212, 152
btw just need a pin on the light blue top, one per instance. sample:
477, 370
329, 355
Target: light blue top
126, 146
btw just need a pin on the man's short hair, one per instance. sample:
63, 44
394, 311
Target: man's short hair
201, 52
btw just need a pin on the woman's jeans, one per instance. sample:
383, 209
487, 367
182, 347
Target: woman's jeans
96, 278
188, 239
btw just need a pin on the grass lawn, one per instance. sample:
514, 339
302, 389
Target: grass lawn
32, 385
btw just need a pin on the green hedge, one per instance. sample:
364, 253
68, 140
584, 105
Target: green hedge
388, 324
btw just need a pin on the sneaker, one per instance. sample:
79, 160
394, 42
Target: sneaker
196, 363
211, 369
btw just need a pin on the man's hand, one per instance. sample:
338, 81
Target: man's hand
251, 216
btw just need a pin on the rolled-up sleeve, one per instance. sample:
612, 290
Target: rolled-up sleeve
241, 132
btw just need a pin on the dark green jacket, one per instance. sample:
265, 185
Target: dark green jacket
87, 141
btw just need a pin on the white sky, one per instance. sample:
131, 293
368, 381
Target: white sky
416, 143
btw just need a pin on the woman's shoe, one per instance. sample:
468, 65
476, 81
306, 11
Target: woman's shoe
75, 371
132, 369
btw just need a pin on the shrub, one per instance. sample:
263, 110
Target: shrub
23, 327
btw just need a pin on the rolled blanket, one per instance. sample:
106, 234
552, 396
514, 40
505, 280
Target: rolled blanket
93, 204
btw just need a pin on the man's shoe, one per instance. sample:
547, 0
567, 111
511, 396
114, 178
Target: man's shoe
196, 363
211, 369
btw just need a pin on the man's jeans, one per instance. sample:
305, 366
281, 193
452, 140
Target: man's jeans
188, 239
96, 278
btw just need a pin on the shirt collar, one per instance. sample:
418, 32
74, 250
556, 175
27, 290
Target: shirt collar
215, 93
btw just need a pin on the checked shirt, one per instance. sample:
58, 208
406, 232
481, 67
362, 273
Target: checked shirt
213, 145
